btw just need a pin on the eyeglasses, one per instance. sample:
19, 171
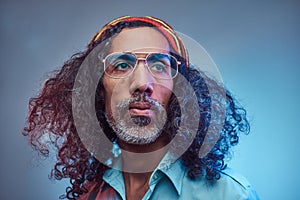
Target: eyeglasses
122, 64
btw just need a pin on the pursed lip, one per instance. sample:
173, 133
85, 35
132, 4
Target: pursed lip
140, 105
140, 108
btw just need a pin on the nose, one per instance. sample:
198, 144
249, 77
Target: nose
141, 80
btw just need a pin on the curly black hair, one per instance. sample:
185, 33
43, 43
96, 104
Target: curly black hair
50, 114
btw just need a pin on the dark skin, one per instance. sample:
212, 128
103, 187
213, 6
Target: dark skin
136, 184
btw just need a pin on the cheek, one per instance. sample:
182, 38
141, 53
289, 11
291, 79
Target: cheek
115, 91
167, 97
107, 103
164, 93
108, 88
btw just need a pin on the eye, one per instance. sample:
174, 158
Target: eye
158, 67
159, 63
121, 66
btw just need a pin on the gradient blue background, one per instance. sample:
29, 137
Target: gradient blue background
255, 44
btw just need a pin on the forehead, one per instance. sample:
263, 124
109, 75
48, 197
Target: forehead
146, 39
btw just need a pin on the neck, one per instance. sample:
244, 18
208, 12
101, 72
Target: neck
136, 180
138, 163
142, 158
136, 184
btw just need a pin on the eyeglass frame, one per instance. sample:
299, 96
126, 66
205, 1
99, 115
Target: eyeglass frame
145, 63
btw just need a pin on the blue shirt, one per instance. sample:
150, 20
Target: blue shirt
173, 183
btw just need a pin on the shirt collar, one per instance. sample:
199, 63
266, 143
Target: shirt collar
174, 171
115, 179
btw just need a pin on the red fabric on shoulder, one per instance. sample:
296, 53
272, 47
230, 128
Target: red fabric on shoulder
96, 192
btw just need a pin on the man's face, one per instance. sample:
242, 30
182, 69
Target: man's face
136, 105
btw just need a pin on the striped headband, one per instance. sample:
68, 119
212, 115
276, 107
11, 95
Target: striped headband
165, 29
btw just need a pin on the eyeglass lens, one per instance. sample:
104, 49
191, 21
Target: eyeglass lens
162, 66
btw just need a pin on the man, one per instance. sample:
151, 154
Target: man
169, 126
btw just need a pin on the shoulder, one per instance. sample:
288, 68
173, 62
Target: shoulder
90, 189
231, 186
234, 178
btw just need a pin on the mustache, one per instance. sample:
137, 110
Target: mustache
140, 98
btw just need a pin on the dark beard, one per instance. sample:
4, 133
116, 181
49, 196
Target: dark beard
141, 120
